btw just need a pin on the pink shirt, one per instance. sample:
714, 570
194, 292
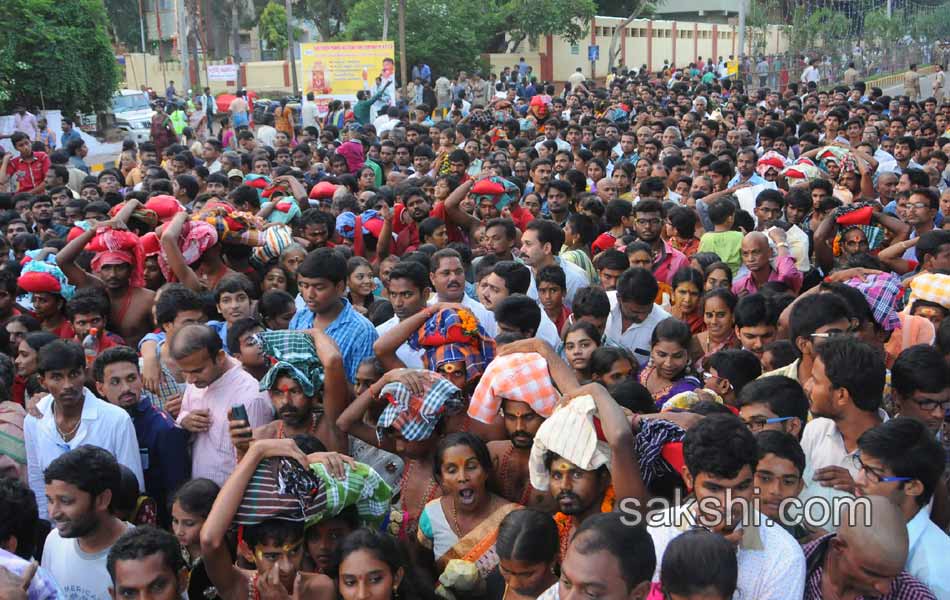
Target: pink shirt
213, 454
673, 260
784, 271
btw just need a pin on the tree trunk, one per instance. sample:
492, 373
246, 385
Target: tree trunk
516, 42
387, 8
236, 39
402, 42
614, 50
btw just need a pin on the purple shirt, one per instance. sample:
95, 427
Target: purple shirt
213, 454
42, 587
784, 271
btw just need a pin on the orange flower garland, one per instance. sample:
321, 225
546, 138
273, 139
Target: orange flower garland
565, 523
468, 321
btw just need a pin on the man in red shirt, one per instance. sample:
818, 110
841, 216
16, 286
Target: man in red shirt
28, 169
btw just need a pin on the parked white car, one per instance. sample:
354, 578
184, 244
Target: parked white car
133, 114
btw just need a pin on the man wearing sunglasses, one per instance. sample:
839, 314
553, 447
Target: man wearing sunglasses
902, 461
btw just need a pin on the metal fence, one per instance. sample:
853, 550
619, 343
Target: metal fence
870, 63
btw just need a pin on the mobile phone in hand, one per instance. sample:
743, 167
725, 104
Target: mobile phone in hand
239, 413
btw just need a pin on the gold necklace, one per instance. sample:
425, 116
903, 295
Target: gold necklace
67, 435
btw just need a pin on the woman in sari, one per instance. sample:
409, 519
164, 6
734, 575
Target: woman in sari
528, 547
687, 292
668, 373
718, 308
463, 523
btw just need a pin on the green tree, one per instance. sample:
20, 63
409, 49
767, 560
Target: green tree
272, 26
448, 35
124, 23
64, 46
531, 19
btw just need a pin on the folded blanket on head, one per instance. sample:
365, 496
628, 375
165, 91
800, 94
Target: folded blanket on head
42, 277
415, 416
771, 160
522, 377
118, 247
497, 190
931, 287
295, 356
454, 336
282, 489
882, 291
196, 237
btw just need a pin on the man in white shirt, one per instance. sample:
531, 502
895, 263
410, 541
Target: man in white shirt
448, 277
81, 484
308, 112
509, 277
634, 313
73, 417
408, 292
902, 461
720, 458
844, 391
540, 245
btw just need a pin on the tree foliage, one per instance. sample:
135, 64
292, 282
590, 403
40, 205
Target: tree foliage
531, 19
57, 53
124, 23
329, 16
272, 27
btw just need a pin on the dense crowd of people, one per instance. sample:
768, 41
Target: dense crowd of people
657, 337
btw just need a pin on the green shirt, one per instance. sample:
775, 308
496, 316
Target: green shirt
726, 244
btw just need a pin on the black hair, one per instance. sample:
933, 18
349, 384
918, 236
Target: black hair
520, 312
175, 299
584, 227
111, 356
929, 244
437, 257
630, 545
528, 535
142, 542
59, 355
783, 445
275, 531
385, 549
273, 303
591, 301
783, 395
783, 353
474, 442
855, 366
90, 468
604, 357
323, 263
232, 284
88, 302
812, 312
553, 274
18, 515
719, 445
718, 266
548, 232
193, 338
637, 285
907, 448
755, 310
428, 226
739, 367
684, 221
699, 561
126, 496
671, 329
239, 328
413, 271
516, 275
688, 275
37, 339
196, 496
632, 395
506, 224
613, 259
919, 368
616, 211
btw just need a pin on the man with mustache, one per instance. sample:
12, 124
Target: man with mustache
585, 483
71, 417
520, 384
162, 444
448, 278
307, 387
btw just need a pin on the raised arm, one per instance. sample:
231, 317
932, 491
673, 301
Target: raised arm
351, 420
824, 253
453, 210
229, 580
893, 256
335, 389
385, 234
173, 254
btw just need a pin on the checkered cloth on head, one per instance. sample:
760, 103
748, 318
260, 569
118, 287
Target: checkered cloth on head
522, 377
882, 291
295, 356
454, 336
415, 416
282, 489
932, 287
